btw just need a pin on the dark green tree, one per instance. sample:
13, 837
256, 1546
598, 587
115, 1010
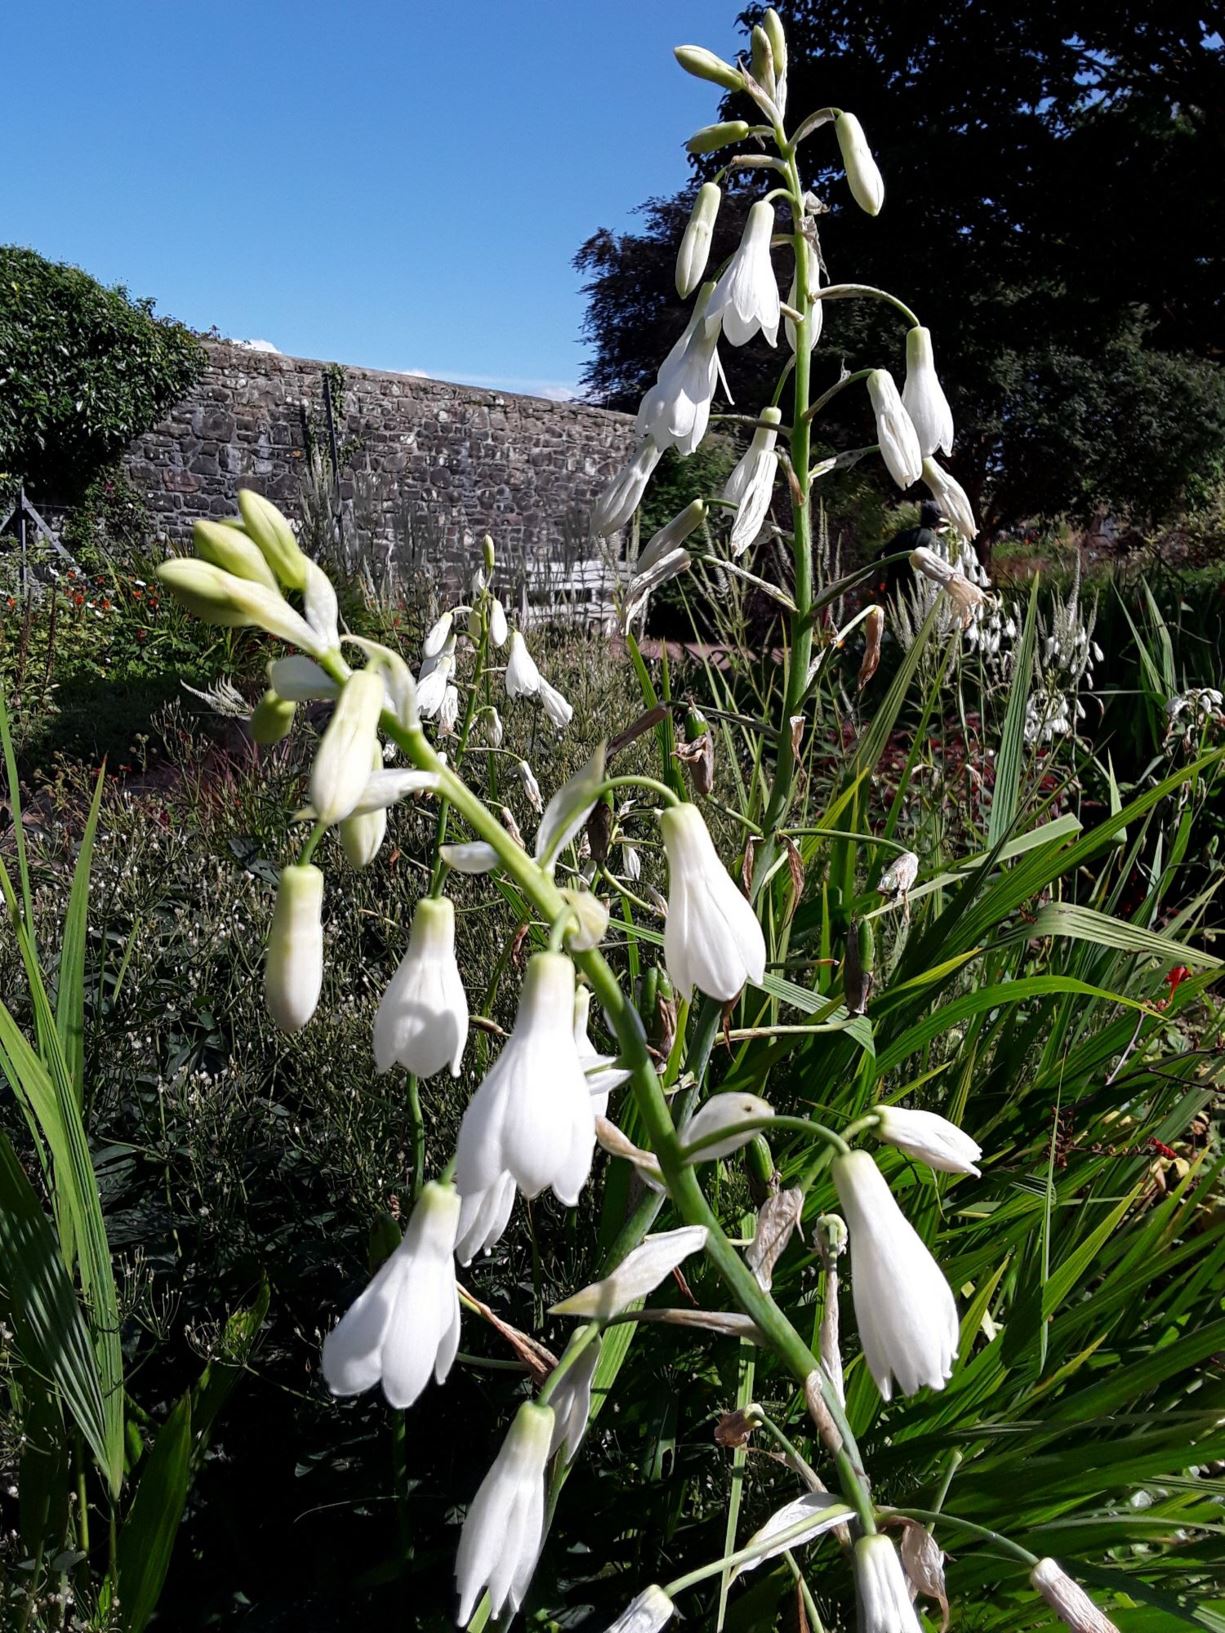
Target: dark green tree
83, 369
1055, 183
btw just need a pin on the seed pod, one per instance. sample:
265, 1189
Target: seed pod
858, 977
873, 631
599, 828
697, 752
763, 1177
272, 719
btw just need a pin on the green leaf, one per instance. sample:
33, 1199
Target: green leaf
1006, 798
70, 998
147, 1538
1083, 924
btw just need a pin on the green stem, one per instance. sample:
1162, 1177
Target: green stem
579, 1341
308, 850
416, 1124
931, 1517
839, 385
842, 292
750, 1125
656, 787
745, 1556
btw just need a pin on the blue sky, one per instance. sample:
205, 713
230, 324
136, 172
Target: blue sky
393, 185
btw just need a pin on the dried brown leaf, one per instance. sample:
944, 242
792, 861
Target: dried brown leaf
777, 1218
923, 1560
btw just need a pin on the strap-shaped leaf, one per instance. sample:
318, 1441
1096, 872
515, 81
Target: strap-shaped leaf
147, 1538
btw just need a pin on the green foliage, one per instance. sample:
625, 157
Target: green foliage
83, 369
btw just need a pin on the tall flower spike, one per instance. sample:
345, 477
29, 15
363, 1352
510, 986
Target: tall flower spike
899, 442
293, 970
881, 1589
904, 1307
923, 396
929, 1138
676, 410
863, 177
532, 1115
712, 939
422, 1019
750, 487
746, 297
405, 1325
621, 498
343, 761
504, 1528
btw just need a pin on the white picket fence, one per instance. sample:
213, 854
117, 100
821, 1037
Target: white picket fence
571, 592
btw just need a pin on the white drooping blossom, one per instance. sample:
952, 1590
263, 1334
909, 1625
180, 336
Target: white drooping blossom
342, 763
362, 832
320, 606
531, 788
383, 790
497, 623
650, 1611
952, 499
712, 939
422, 1018
904, 1307
438, 636
750, 487
522, 675
448, 711
491, 724
746, 296
1068, 1599
621, 498
816, 310
293, 969
631, 861
862, 174
601, 1071
638, 1274
433, 678
722, 1111
532, 1116
643, 582
929, 1138
473, 857
816, 1511
405, 1325
923, 396
483, 1216
504, 1527
881, 1590
966, 596
695, 244
676, 410
559, 711
571, 1403
899, 441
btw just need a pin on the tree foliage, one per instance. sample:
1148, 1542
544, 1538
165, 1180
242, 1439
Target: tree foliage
83, 369
1054, 187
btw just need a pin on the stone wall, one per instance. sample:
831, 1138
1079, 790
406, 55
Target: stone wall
426, 468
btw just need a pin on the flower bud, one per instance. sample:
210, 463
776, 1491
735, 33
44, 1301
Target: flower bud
263, 522
773, 26
703, 64
671, 535
293, 972
218, 597
272, 719
761, 56
342, 764
720, 1112
497, 623
709, 140
230, 548
487, 553
695, 245
863, 177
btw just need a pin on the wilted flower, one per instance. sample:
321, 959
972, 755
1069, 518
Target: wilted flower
873, 635
676, 410
448, 711
571, 1402
899, 442
422, 1018
1068, 1599
952, 498
718, 1112
898, 877
531, 787
621, 498
405, 1325
862, 174
881, 1589
504, 1528
532, 1115
433, 678
650, 1611
483, 1216
903, 1305
643, 582
923, 396
929, 1138
492, 722
522, 675
746, 296
293, 970
712, 939
638, 1274
695, 245
750, 487
965, 595
342, 764
497, 622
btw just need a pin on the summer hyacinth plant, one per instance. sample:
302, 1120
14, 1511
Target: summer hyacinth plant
535, 1121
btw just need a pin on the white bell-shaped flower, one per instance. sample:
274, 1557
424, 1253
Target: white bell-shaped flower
504, 1527
293, 969
558, 710
722, 1111
881, 1590
676, 410
750, 487
522, 675
497, 623
483, 1216
362, 832
532, 1115
899, 441
650, 1611
405, 1325
923, 396
929, 1138
437, 636
904, 1307
571, 1402
862, 174
601, 1071
816, 311
422, 1019
639, 1273
952, 498
712, 939
342, 763
621, 498
433, 679
746, 296
531, 788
